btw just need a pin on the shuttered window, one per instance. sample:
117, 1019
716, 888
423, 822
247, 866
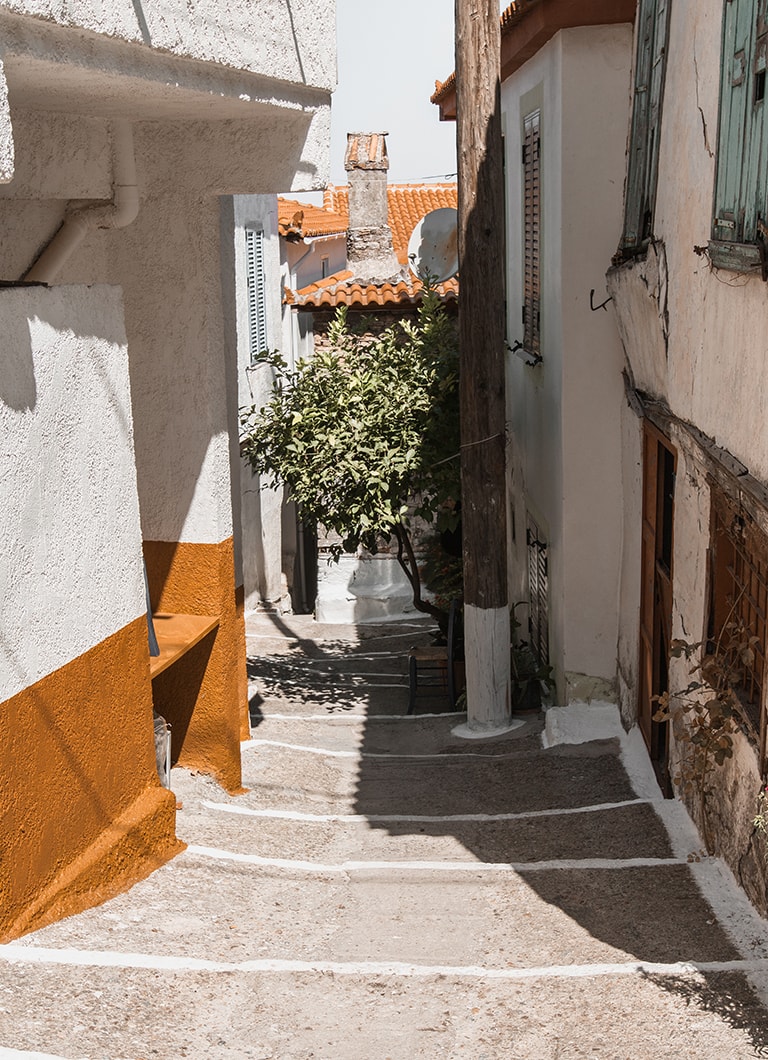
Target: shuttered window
257, 300
741, 187
538, 592
531, 234
643, 160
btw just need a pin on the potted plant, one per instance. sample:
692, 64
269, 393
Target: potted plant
527, 674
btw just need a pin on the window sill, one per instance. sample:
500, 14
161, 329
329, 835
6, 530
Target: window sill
738, 257
627, 255
528, 357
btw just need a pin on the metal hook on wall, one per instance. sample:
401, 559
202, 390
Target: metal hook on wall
603, 305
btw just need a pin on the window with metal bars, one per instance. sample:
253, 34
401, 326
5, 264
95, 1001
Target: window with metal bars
257, 292
643, 157
538, 590
531, 234
740, 223
739, 603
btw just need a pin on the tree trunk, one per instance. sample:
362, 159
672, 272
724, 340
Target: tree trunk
407, 560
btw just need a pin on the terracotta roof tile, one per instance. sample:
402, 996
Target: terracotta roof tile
366, 151
301, 219
407, 204
336, 290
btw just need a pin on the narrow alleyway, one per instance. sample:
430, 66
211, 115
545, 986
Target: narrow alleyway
385, 890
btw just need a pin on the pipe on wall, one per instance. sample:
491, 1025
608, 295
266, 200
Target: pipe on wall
79, 221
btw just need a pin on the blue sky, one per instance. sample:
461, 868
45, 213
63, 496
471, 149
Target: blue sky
389, 56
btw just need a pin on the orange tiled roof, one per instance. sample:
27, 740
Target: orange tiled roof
336, 290
407, 204
302, 219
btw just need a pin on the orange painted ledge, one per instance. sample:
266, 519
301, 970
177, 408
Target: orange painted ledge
176, 634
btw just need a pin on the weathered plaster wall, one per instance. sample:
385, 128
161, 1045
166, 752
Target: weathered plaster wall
708, 363
564, 410
694, 339
70, 566
362, 588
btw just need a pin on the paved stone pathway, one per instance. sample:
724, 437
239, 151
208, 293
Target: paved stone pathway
385, 890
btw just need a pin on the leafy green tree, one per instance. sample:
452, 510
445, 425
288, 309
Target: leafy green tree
365, 435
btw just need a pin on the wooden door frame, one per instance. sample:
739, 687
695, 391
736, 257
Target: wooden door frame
656, 574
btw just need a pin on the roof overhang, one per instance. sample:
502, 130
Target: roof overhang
527, 25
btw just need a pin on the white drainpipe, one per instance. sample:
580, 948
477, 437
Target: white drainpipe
79, 221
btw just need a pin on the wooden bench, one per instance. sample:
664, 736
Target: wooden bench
176, 634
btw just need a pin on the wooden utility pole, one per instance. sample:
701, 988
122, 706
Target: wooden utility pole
481, 344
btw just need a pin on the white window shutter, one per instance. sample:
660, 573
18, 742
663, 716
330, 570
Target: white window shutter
257, 293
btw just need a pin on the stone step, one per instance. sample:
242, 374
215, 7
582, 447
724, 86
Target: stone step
138, 1012
523, 919
452, 784
630, 831
390, 735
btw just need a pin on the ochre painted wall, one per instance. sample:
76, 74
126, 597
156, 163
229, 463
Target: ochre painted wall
203, 696
83, 813
242, 672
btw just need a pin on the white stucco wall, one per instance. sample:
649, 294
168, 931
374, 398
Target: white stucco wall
301, 265
594, 129
222, 99
70, 565
303, 260
565, 413
168, 265
251, 80
285, 41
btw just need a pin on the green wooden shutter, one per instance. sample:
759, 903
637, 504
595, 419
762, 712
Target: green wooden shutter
756, 146
735, 92
643, 161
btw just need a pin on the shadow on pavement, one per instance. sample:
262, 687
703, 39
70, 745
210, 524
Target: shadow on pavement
653, 913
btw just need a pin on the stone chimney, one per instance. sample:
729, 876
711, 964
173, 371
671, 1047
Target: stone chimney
369, 239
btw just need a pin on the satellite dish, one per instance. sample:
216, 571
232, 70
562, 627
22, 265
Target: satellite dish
433, 247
